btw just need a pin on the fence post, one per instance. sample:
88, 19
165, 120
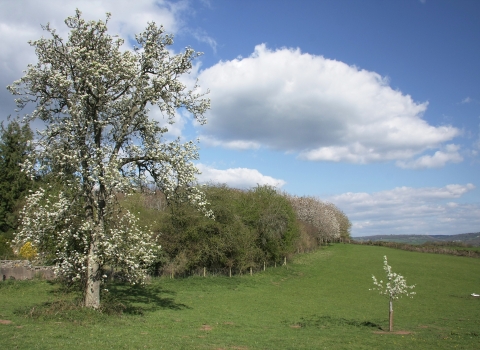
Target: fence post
204, 271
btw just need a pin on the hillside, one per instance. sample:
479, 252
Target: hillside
465, 238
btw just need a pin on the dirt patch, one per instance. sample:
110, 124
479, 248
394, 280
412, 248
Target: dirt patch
296, 326
206, 327
5, 322
228, 323
395, 332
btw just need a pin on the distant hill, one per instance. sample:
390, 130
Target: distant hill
466, 238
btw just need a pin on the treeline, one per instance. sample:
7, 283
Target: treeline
14, 184
252, 228
449, 248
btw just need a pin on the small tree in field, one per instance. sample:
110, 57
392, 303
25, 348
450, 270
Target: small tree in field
394, 288
99, 141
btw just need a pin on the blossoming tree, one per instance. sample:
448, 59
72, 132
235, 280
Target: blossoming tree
395, 287
322, 216
99, 141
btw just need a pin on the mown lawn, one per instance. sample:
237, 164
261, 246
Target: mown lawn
320, 301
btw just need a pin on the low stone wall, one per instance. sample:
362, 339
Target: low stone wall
24, 270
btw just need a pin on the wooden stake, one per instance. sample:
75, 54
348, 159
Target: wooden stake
391, 316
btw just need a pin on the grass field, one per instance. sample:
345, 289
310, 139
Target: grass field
320, 301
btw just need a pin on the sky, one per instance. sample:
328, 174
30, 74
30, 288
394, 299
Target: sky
372, 105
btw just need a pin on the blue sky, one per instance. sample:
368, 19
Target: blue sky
373, 105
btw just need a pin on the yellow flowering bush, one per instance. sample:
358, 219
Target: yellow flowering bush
27, 251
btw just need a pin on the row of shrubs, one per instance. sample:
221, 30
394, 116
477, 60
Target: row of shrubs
252, 228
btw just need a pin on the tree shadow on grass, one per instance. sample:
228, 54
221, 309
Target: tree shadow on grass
67, 302
326, 321
140, 299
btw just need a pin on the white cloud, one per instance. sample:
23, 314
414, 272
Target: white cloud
407, 210
466, 100
235, 144
437, 160
203, 37
324, 110
237, 177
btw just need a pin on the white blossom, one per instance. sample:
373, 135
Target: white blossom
395, 286
321, 215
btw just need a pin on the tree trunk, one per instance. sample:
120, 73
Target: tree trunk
92, 288
391, 316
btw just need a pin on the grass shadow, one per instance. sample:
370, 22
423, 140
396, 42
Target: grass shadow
326, 321
141, 299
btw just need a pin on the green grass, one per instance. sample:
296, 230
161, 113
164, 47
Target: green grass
320, 301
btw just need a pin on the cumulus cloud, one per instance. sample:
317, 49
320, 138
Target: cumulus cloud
407, 210
237, 177
437, 160
322, 109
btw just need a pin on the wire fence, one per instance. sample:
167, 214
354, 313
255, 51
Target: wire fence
218, 271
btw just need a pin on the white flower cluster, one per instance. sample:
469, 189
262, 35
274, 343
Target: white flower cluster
52, 225
324, 217
396, 284
99, 141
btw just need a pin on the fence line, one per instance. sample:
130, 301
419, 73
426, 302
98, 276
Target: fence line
218, 271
